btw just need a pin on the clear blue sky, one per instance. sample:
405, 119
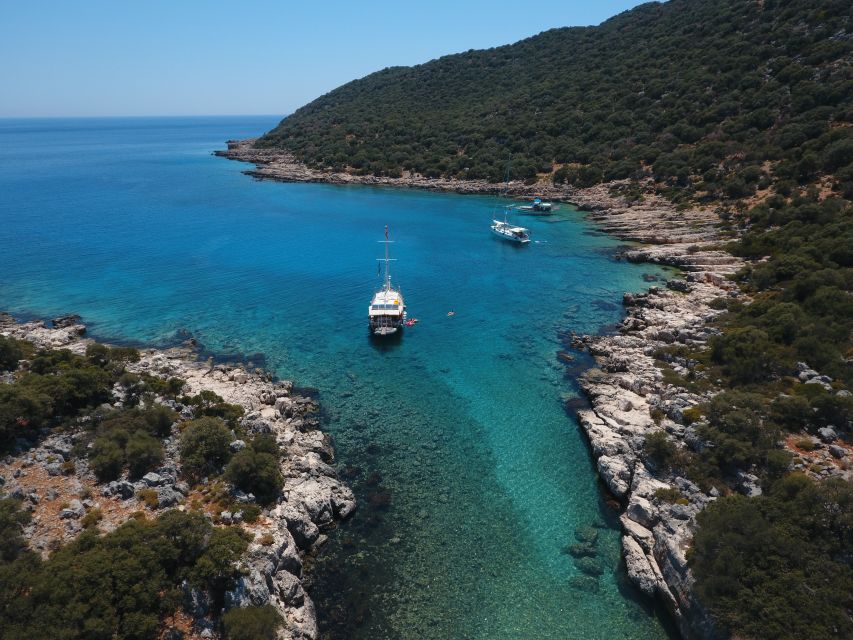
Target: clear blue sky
194, 57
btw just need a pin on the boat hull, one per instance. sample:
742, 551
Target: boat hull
386, 325
510, 238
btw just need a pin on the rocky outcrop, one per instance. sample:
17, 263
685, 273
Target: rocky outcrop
313, 500
281, 165
630, 398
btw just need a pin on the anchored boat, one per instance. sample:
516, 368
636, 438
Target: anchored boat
387, 312
537, 208
507, 231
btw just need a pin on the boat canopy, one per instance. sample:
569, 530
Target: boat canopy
509, 227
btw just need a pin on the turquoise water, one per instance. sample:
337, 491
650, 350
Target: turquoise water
471, 473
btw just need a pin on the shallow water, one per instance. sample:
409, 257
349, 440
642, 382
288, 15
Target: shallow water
471, 474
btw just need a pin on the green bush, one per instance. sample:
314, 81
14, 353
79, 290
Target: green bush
102, 355
660, 449
143, 453
746, 355
205, 447
22, 411
252, 623
669, 494
257, 473
12, 519
755, 559
251, 513
208, 403
107, 458
11, 351
738, 431
119, 585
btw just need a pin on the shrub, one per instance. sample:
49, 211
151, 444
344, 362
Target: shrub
692, 414
669, 494
251, 513
746, 355
660, 448
737, 431
143, 453
119, 585
22, 410
102, 355
214, 568
12, 520
252, 623
208, 403
148, 497
106, 457
806, 444
204, 447
92, 518
755, 558
11, 351
257, 473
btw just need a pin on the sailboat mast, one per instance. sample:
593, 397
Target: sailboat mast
387, 263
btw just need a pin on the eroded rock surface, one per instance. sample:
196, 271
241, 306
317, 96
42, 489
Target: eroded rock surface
630, 399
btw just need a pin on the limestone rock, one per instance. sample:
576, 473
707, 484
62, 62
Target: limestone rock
639, 566
615, 473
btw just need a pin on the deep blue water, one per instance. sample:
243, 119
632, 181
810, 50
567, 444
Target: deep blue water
472, 474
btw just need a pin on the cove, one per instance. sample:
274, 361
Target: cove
470, 472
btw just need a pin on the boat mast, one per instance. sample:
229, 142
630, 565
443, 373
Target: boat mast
387, 260
387, 266
506, 183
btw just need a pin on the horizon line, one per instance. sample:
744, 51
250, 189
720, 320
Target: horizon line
165, 115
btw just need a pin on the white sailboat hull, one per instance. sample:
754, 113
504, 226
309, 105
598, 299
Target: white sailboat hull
504, 235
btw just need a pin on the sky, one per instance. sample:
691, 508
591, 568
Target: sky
239, 57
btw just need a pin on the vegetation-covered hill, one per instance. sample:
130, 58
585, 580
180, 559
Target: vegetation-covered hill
717, 97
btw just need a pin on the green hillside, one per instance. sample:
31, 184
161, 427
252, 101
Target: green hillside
716, 96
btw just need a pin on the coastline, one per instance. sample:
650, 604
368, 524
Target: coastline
314, 500
274, 164
631, 398
626, 388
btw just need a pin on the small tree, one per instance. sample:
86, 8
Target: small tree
106, 458
660, 449
143, 453
257, 473
205, 447
10, 353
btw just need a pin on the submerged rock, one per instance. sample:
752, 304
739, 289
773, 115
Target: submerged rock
584, 583
589, 566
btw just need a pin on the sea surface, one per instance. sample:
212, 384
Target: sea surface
471, 472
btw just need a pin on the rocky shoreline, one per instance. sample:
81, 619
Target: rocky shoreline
276, 164
313, 497
631, 399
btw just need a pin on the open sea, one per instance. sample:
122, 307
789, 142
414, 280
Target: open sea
471, 472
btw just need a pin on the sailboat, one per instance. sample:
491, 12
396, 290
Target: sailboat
387, 312
507, 231
504, 229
